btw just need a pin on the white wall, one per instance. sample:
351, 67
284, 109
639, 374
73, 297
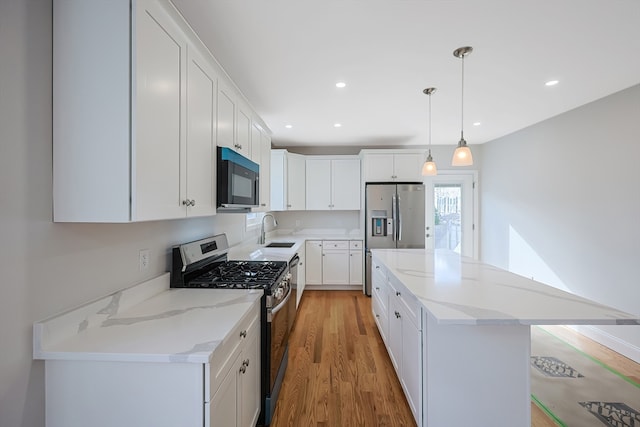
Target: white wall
560, 202
49, 267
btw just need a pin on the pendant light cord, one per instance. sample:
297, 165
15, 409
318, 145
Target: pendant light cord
429, 124
462, 102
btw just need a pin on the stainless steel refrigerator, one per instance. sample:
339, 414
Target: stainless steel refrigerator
394, 219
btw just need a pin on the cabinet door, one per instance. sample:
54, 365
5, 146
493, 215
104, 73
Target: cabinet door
226, 117
201, 147
295, 182
243, 132
278, 178
408, 167
411, 377
355, 267
345, 184
335, 266
313, 255
249, 384
394, 343
256, 145
265, 172
318, 184
378, 167
223, 410
159, 162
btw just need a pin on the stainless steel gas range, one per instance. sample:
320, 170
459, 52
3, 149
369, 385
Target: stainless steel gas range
204, 264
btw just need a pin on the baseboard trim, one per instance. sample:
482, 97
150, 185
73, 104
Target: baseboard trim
608, 340
333, 287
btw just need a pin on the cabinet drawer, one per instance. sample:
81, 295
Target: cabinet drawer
227, 352
355, 244
408, 301
335, 244
381, 317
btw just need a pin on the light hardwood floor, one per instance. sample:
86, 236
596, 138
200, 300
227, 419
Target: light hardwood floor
340, 374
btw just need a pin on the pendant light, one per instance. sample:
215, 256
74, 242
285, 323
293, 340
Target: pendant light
462, 156
429, 167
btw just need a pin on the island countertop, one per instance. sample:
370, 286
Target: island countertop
145, 323
461, 290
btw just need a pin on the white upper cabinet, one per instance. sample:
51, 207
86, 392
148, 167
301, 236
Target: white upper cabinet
389, 166
138, 108
287, 181
243, 131
200, 186
261, 154
226, 117
332, 183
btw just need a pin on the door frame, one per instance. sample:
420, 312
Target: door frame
456, 176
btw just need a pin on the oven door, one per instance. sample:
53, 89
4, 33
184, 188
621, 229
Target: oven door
279, 322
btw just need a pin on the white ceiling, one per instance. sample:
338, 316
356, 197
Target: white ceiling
287, 55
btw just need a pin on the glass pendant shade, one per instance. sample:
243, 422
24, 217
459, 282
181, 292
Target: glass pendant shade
429, 167
462, 156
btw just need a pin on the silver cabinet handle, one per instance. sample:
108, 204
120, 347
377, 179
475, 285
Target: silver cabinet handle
245, 362
243, 334
243, 369
193, 203
398, 294
397, 315
377, 289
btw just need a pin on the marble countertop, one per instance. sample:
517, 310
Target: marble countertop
258, 252
146, 323
460, 290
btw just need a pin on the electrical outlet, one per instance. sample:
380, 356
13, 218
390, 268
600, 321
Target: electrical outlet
143, 259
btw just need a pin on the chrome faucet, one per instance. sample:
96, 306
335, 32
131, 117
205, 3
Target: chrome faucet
275, 224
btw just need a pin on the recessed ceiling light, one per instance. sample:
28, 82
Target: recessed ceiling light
337, 125
341, 84
551, 83
477, 123
288, 126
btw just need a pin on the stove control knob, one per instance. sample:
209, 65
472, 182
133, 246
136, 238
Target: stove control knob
279, 292
288, 276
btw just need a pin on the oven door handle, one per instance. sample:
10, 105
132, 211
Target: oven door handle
278, 307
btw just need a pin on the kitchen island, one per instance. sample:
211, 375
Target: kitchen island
458, 333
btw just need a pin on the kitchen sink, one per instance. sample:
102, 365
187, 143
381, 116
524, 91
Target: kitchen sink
280, 245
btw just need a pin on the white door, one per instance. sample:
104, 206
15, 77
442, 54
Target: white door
451, 212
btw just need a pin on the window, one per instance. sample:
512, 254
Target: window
253, 220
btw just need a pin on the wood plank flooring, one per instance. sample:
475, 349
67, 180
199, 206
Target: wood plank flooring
340, 374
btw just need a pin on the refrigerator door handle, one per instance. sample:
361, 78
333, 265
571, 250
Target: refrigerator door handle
399, 218
394, 219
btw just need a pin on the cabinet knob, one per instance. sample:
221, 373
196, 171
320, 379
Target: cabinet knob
245, 362
193, 203
243, 334
398, 294
377, 267
397, 315
243, 369
263, 204
377, 289
186, 202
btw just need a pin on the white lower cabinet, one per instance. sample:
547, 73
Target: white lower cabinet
313, 255
401, 331
234, 379
335, 262
82, 393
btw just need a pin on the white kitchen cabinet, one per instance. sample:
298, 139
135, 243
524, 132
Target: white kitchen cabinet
356, 260
380, 299
261, 154
302, 276
164, 393
335, 262
226, 130
313, 255
404, 343
332, 183
200, 185
243, 130
287, 181
234, 379
389, 166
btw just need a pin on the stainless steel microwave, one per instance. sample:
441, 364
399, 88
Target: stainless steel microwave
238, 182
